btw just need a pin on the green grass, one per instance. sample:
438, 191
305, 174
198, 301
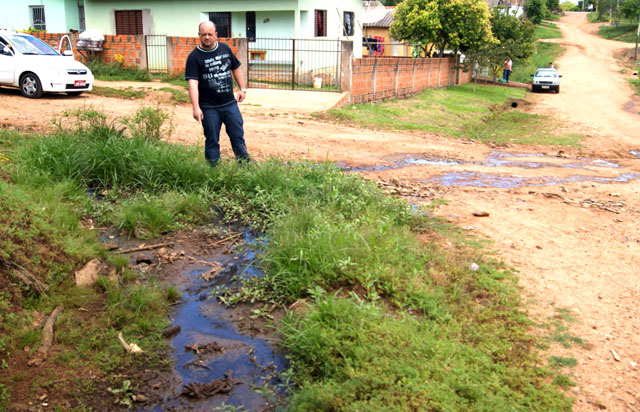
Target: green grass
592, 17
177, 95
117, 72
562, 362
625, 32
552, 17
547, 31
545, 53
457, 112
128, 93
393, 323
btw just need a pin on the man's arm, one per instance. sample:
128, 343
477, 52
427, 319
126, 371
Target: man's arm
194, 95
237, 74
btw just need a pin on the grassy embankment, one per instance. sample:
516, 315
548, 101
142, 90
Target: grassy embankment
396, 320
625, 31
458, 112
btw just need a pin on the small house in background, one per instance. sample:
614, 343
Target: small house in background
53, 16
234, 18
376, 40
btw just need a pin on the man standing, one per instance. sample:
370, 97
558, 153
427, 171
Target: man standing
506, 69
209, 69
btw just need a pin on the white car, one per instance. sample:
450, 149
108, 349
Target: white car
36, 68
546, 79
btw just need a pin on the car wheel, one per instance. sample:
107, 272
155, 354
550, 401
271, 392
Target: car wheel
74, 93
534, 89
558, 89
30, 86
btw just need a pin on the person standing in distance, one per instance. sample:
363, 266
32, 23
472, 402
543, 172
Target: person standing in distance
506, 69
208, 70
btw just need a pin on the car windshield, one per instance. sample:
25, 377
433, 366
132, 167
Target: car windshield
31, 45
546, 73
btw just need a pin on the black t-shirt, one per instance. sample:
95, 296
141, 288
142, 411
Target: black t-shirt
212, 69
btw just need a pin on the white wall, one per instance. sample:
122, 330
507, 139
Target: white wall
60, 15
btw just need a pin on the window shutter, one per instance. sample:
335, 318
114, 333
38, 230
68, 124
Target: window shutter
129, 22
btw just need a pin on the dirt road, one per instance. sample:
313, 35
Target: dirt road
566, 219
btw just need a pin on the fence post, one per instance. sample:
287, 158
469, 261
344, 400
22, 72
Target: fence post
413, 77
374, 75
170, 52
346, 69
397, 75
144, 58
243, 56
293, 64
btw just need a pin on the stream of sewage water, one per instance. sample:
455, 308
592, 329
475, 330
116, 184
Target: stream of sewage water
208, 325
505, 159
254, 362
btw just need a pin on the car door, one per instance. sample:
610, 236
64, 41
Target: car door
7, 63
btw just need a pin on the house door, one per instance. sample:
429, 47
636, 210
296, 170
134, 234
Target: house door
156, 54
251, 26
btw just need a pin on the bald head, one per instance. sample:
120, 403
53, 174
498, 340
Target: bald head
206, 24
208, 35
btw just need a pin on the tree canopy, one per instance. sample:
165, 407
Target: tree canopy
514, 39
443, 24
536, 10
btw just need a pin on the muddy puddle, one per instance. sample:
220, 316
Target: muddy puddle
509, 182
220, 354
508, 160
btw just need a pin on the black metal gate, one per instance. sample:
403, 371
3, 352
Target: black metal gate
156, 54
295, 64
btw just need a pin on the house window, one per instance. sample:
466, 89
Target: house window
38, 21
348, 23
223, 23
129, 22
320, 23
81, 19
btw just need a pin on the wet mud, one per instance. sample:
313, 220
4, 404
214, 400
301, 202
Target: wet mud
498, 159
219, 354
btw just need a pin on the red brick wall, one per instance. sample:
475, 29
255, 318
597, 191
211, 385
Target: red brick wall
129, 49
396, 77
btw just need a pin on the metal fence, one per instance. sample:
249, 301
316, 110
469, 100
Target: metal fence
156, 54
295, 64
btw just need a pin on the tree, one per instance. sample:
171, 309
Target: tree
535, 10
553, 5
514, 38
445, 24
630, 9
568, 5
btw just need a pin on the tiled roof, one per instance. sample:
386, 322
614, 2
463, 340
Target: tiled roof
383, 22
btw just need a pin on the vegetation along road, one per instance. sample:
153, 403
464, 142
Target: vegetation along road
552, 186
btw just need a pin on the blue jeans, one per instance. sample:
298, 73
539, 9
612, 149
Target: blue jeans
212, 122
505, 75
